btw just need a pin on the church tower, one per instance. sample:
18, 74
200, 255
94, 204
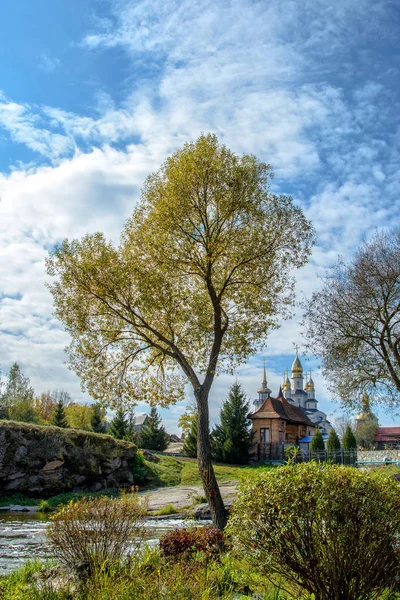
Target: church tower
264, 391
297, 374
286, 385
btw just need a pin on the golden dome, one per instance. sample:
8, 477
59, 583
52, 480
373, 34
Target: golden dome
297, 367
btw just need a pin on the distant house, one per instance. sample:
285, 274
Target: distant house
174, 438
387, 437
140, 421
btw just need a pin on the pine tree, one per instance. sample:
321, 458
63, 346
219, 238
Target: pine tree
59, 417
131, 433
190, 443
333, 443
119, 425
333, 446
232, 440
97, 422
349, 441
153, 435
317, 445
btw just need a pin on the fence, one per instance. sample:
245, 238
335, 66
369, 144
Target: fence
275, 452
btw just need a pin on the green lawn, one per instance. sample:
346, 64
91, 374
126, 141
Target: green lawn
171, 471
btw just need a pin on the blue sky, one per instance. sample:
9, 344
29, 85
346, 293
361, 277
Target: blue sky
94, 95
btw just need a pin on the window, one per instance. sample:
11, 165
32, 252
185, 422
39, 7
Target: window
264, 436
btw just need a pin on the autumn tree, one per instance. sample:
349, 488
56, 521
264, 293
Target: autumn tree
79, 415
200, 277
353, 323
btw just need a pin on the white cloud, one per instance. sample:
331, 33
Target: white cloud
255, 73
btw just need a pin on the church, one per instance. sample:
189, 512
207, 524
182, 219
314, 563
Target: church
288, 418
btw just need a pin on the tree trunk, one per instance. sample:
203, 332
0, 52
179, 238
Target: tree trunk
211, 489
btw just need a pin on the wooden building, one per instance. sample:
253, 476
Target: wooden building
277, 422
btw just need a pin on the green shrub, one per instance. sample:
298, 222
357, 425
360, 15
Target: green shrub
94, 534
330, 530
197, 539
199, 499
44, 506
139, 469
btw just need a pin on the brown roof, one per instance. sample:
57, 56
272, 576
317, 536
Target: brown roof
279, 408
387, 434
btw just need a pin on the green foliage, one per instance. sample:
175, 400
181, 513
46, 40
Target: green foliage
291, 453
59, 416
190, 442
180, 297
146, 575
232, 439
330, 530
96, 533
122, 427
17, 401
119, 425
97, 421
169, 509
365, 433
44, 506
349, 441
153, 435
333, 444
139, 469
317, 443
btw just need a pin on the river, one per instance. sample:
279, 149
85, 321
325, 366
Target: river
23, 537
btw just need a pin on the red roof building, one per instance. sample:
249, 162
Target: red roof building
278, 422
387, 437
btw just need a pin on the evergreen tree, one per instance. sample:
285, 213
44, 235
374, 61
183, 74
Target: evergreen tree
153, 435
119, 425
97, 422
333, 446
190, 443
59, 417
349, 440
131, 433
333, 443
232, 440
317, 445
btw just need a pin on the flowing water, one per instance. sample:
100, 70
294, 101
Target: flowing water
23, 537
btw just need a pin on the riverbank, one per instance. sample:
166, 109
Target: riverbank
172, 484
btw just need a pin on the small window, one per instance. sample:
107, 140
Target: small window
264, 436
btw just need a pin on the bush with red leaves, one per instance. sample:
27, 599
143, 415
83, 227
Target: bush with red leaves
187, 541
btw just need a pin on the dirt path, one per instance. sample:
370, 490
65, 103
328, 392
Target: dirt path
183, 496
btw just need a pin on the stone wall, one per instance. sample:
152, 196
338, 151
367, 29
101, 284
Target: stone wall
378, 455
45, 461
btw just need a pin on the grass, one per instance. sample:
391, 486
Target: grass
150, 576
54, 501
171, 471
169, 509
